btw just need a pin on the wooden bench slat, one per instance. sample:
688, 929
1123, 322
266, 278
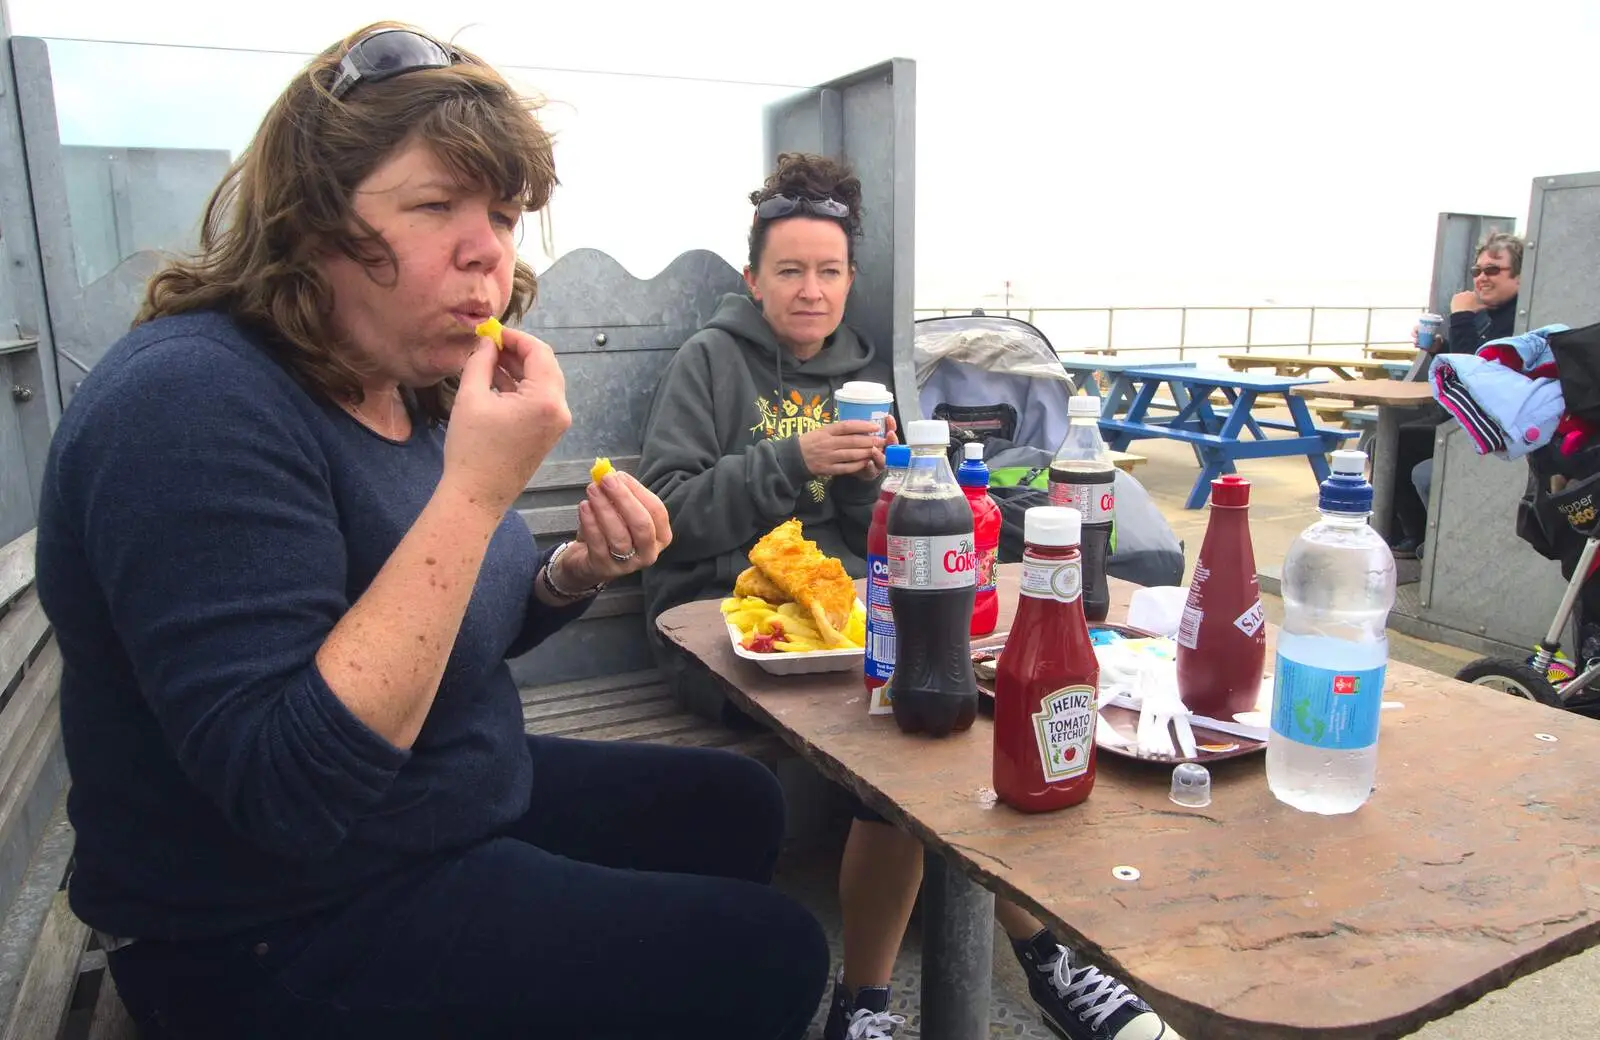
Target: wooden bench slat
595, 684
22, 629
52, 973
542, 710
16, 567
625, 715
17, 789
110, 1020
649, 731
26, 714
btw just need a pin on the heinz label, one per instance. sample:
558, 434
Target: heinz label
947, 561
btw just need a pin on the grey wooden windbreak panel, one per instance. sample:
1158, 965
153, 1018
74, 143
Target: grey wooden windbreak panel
1561, 270
614, 335
26, 313
1479, 580
868, 119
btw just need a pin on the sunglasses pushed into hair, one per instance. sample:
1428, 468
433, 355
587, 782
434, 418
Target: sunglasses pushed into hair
1492, 270
787, 205
387, 54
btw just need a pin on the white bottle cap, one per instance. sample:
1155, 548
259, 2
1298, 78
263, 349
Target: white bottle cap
1350, 461
922, 433
1082, 404
1054, 526
972, 450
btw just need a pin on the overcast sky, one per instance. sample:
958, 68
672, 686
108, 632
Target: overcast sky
1090, 153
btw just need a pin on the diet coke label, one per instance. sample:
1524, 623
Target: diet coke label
932, 562
1096, 503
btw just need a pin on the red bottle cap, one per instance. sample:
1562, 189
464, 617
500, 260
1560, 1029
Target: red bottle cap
1231, 491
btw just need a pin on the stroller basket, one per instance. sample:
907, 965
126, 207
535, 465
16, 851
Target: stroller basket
1577, 357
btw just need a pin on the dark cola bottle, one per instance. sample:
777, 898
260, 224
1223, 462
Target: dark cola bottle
932, 560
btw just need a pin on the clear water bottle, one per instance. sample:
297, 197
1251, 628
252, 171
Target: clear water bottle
1333, 650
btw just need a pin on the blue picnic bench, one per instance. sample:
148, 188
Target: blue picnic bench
1217, 433
1086, 368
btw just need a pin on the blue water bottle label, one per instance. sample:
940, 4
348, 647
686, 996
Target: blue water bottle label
1325, 708
880, 620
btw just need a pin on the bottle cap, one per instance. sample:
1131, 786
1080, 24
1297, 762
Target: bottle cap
972, 451
897, 456
1230, 492
923, 433
1082, 404
1191, 785
1346, 490
1054, 526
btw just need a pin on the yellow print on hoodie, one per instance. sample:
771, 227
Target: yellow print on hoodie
783, 417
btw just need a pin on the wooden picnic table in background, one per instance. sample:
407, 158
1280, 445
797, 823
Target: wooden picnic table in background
1393, 353
1475, 861
1394, 399
1305, 364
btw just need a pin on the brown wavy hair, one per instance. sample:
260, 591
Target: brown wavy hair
287, 200
802, 176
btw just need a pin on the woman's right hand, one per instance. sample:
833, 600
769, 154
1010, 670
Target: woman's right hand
840, 448
508, 415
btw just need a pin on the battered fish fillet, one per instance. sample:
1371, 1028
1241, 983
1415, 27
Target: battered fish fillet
817, 582
751, 582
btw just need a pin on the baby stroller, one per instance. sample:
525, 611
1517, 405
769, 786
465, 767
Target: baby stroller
1559, 516
998, 381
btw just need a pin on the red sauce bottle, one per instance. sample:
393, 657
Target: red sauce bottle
1222, 636
1046, 684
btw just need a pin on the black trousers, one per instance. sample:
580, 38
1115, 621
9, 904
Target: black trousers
631, 901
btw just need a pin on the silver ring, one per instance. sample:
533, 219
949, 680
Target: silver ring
622, 557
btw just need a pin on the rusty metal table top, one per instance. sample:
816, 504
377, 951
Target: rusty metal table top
1477, 859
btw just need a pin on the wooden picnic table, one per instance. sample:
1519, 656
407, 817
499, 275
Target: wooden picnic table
1393, 398
1305, 364
1217, 438
1395, 353
1475, 862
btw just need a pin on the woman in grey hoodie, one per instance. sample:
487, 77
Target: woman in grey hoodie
740, 438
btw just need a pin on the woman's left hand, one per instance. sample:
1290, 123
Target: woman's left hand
873, 468
622, 528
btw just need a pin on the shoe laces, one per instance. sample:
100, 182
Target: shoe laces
1089, 993
873, 1025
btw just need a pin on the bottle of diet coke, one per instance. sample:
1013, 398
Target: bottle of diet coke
931, 589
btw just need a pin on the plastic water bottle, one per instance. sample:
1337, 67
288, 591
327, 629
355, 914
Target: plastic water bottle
1333, 650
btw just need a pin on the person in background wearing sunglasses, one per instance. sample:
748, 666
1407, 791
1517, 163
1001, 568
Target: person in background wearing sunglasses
730, 458
1486, 311
277, 544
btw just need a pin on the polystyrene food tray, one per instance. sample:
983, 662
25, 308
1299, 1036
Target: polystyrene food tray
808, 663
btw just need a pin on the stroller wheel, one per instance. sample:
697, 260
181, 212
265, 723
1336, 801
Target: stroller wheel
1513, 677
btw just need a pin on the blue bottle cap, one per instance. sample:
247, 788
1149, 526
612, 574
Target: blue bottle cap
973, 472
897, 456
1346, 490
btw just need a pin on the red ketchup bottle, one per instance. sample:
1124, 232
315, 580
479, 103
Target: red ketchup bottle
879, 659
973, 476
1222, 636
1046, 684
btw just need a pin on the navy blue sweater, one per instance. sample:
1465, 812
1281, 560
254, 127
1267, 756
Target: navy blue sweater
204, 522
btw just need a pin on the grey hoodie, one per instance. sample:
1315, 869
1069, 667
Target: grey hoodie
720, 451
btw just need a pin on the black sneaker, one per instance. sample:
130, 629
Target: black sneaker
864, 1016
1082, 1003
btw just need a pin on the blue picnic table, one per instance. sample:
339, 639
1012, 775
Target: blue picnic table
1084, 368
1217, 433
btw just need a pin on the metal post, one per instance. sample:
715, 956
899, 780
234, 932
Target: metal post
1249, 329
1183, 330
957, 953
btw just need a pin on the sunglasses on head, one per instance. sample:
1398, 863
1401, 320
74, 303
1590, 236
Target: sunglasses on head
387, 54
788, 205
1492, 270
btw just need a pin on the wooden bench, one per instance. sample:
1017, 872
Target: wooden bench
1305, 364
53, 982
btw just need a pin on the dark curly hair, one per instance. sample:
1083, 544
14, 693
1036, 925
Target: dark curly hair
816, 177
